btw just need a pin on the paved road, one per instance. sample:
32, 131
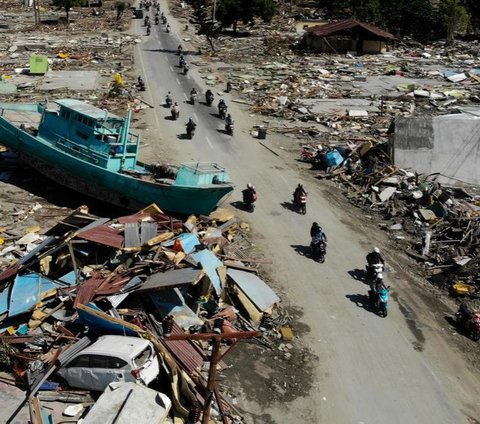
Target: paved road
370, 370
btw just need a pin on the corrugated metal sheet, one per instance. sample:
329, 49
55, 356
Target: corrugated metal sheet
254, 288
347, 24
103, 235
132, 238
171, 279
86, 291
187, 354
148, 230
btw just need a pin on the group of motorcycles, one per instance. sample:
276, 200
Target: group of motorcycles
147, 23
209, 97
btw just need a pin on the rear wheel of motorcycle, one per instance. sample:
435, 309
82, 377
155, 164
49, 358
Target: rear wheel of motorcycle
475, 336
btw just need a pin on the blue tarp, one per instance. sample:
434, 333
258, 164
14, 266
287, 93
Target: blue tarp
188, 241
209, 263
333, 158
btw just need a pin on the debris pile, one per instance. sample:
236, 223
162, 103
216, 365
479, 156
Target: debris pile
190, 289
439, 226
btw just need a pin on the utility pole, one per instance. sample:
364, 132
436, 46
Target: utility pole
36, 11
215, 357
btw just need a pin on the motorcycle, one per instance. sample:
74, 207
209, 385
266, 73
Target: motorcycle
300, 201
209, 100
380, 299
140, 84
185, 69
168, 101
249, 200
148, 30
168, 28
222, 112
193, 97
190, 131
469, 321
175, 114
181, 62
156, 20
319, 249
229, 128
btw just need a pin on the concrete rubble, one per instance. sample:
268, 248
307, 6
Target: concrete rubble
146, 275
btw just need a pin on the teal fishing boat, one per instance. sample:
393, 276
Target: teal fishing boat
93, 152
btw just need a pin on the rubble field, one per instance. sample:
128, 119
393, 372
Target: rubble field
154, 276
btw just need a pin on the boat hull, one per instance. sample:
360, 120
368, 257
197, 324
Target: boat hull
111, 187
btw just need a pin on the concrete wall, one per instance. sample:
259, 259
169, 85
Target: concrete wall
448, 144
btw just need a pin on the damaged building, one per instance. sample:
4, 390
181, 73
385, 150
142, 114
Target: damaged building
345, 36
447, 145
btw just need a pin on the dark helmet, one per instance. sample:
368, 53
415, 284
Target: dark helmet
315, 224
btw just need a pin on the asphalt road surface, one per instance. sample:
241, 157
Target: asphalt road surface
370, 370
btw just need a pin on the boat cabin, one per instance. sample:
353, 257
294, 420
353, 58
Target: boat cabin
201, 173
90, 134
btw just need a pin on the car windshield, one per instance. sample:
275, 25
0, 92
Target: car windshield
142, 358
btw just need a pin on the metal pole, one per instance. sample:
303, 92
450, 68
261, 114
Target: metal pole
212, 373
214, 9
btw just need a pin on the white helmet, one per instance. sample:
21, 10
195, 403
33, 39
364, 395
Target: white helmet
376, 250
249, 185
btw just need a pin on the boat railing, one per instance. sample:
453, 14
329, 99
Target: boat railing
80, 150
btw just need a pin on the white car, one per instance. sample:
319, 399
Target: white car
109, 359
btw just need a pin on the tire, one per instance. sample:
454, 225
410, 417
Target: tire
304, 210
475, 335
321, 259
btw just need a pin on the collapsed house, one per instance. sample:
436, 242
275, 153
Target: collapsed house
345, 36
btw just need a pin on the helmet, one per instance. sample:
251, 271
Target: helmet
380, 276
376, 250
249, 185
315, 224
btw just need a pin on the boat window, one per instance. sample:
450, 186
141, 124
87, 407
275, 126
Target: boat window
81, 134
65, 113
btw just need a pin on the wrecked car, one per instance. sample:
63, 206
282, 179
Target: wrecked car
109, 359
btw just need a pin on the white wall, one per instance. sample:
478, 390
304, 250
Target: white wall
448, 144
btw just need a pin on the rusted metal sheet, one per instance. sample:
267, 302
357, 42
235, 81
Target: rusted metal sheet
87, 290
189, 356
347, 24
103, 235
8, 273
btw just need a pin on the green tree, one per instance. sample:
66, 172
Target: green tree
231, 12
473, 9
203, 21
67, 5
120, 6
454, 17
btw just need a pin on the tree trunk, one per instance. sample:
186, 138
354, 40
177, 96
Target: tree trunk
235, 23
212, 46
67, 11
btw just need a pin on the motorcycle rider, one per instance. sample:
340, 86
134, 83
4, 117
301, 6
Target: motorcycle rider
168, 27
222, 107
175, 110
228, 120
148, 30
168, 99
249, 194
181, 61
185, 68
209, 97
193, 93
190, 126
299, 191
179, 49
317, 233
374, 258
